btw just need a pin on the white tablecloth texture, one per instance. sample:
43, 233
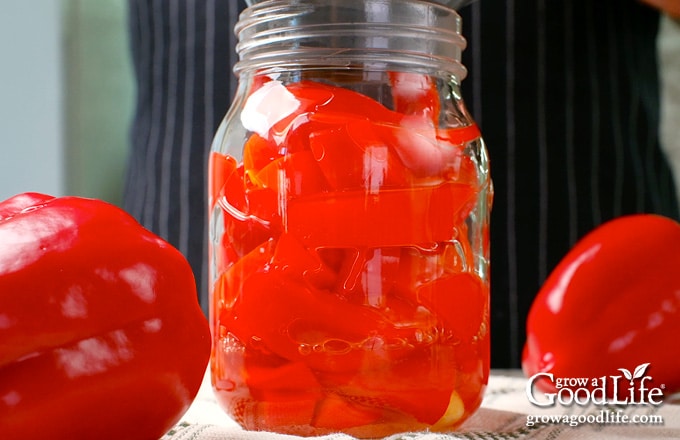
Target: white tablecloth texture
503, 415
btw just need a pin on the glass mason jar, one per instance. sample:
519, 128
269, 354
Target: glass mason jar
349, 207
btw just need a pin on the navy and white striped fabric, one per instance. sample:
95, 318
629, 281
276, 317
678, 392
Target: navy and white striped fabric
183, 54
565, 93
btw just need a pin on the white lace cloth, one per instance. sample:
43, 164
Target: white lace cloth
505, 414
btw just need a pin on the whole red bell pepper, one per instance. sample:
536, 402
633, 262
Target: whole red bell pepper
612, 304
101, 335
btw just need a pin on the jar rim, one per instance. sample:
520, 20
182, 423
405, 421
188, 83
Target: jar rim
399, 34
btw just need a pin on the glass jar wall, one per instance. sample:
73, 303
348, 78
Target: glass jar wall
349, 207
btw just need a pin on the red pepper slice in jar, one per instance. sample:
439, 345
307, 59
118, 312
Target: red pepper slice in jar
249, 215
393, 217
460, 301
352, 154
297, 321
293, 175
258, 152
415, 94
